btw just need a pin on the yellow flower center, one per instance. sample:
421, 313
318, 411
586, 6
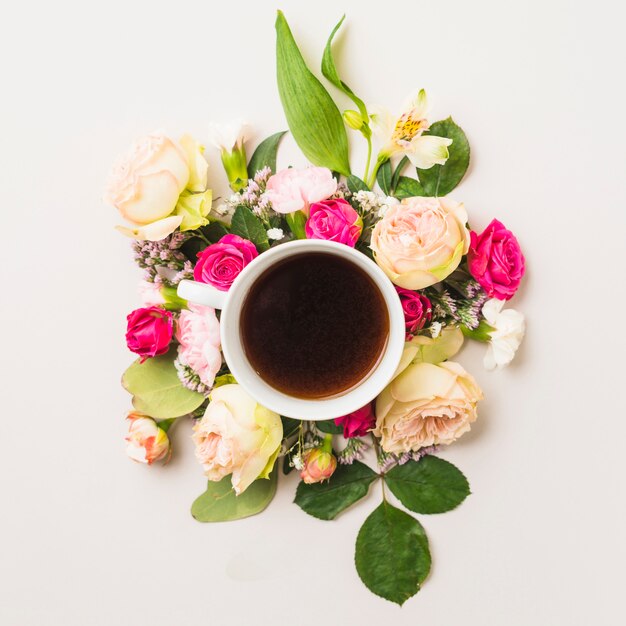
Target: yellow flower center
408, 127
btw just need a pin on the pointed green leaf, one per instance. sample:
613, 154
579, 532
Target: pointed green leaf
330, 72
290, 426
383, 177
326, 500
157, 390
220, 504
265, 154
440, 180
247, 225
398, 171
392, 556
407, 188
314, 119
329, 427
430, 485
355, 184
296, 222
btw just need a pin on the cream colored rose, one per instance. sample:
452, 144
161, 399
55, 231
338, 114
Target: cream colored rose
425, 405
145, 186
237, 436
421, 241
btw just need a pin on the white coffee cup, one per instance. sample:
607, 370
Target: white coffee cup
230, 303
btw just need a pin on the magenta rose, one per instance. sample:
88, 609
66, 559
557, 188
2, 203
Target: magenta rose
220, 263
358, 423
417, 311
333, 220
496, 261
149, 331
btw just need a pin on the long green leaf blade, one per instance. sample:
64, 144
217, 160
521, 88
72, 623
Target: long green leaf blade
314, 119
265, 154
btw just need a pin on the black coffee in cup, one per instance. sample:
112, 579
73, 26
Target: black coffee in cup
314, 325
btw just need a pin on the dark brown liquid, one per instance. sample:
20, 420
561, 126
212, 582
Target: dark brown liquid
314, 325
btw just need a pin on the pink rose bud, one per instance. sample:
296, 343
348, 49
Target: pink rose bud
319, 464
334, 220
417, 311
496, 261
149, 331
220, 263
145, 441
358, 423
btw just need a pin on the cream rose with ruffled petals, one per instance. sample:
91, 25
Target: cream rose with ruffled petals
237, 436
421, 241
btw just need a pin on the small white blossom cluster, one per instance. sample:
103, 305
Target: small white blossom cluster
371, 202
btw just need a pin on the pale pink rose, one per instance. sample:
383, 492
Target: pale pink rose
425, 405
421, 241
237, 436
145, 441
294, 189
198, 332
150, 294
144, 185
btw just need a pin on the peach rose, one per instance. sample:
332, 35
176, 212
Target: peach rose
146, 442
421, 241
425, 405
237, 436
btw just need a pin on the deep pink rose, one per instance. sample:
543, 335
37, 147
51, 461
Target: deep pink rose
220, 263
333, 220
417, 310
358, 423
149, 331
496, 261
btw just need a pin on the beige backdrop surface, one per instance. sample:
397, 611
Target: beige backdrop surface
89, 538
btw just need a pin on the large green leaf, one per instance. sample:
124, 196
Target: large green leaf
326, 500
314, 119
430, 485
383, 176
247, 225
407, 188
220, 504
355, 184
392, 556
330, 72
157, 390
265, 154
290, 426
440, 180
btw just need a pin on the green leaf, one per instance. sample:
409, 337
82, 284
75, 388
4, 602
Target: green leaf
296, 222
157, 390
220, 504
247, 225
481, 333
329, 427
290, 426
399, 169
215, 231
440, 180
392, 556
407, 188
355, 184
326, 500
330, 72
383, 176
265, 154
314, 119
430, 485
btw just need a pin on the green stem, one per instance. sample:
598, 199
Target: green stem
369, 158
327, 446
166, 424
379, 161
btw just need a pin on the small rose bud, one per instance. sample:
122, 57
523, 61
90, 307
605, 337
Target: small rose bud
353, 119
146, 442
319, 463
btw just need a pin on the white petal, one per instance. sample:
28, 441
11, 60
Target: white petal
153, 232
428, 150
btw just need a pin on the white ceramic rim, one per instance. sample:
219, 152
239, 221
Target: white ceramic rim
284, 404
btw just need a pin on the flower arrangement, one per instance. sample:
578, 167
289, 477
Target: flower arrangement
452, 283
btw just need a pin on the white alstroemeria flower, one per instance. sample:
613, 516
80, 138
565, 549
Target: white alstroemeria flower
404, 134
228, 136
509, 328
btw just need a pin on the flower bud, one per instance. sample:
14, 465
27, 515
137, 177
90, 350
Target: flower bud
146, 442
353, 119
319, 463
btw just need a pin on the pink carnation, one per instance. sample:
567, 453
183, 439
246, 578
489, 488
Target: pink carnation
334, 220
417, 310
496, 261
220, 263
357, 423
294, 189
149, 331
198, 332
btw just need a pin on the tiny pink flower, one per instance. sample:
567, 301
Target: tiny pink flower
357, 423
294, 189
417, 310
334, 220
220, 263
149, 331
496, 261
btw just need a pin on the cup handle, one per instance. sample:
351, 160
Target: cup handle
201, 293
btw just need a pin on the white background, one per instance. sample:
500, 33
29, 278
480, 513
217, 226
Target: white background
89, 538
